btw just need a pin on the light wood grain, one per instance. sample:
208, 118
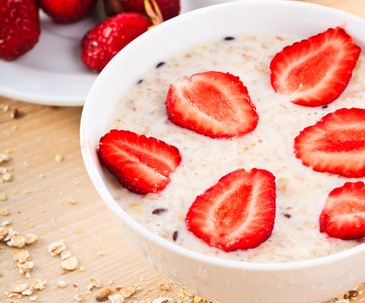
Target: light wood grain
56, 200
350, 6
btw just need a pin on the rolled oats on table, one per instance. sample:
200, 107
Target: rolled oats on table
20, 291
94, 283
117, 298
5, 172
55, 248
68, 261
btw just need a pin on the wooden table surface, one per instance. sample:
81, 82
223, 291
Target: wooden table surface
45, 191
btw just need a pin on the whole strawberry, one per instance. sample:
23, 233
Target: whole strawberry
19, 27
168, 8
67, 11
100, 44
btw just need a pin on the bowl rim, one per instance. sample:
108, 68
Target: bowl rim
93, 172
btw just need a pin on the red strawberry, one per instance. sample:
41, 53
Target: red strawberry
236, 213
168, 8
212, 103
336, 144
343, 215
315, 71
19, 27
67, 11
105, 40
141, 164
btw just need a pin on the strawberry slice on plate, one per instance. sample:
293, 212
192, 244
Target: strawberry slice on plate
343, 215
141, 164
335, 144
238, 212
212, 103
315, 71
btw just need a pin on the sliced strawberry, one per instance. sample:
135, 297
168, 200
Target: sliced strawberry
343, 215
236, 213
141, 164
212, 103
315, 71
336, 144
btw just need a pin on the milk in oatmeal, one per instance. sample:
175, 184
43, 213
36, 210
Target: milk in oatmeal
301, 192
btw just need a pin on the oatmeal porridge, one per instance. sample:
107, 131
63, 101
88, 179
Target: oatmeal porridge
301, 192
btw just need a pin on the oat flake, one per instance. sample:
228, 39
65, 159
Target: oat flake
56, 248
70, 263
117, 298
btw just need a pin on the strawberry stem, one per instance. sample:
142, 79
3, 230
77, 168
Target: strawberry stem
153, 12
112, 7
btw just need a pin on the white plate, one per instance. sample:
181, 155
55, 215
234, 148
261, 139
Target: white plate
52, 72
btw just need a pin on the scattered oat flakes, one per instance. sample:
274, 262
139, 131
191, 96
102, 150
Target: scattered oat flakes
3, 232
165, 286
117, 298
71, 202
198, 299
55, 248
78, 297
27, 191
10, 233
59, 158
188, 297
17, 240
5, 223
70, 263
95, 283
163, 300
65, 254
5, 107
61, 284
7, 177
28, 292
79, 230
18, 287
4, 212
3, 197
128, 291
4, 157
21, 255
25, 268
30, 238
38, 284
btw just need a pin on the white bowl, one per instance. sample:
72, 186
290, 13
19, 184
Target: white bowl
213, 278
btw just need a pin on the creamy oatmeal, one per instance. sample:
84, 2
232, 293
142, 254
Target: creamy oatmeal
301, 192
